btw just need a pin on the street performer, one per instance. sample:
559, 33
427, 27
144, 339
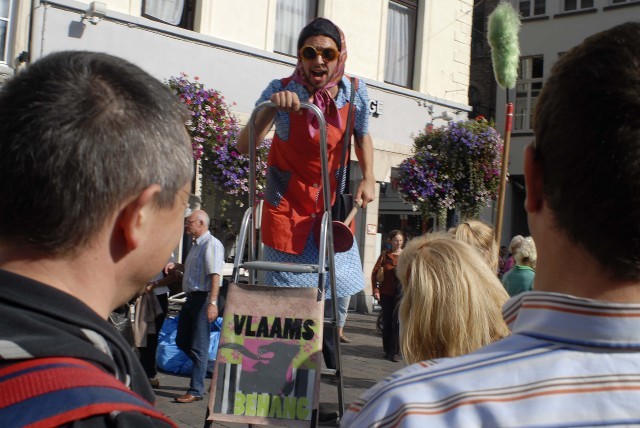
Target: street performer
293, 197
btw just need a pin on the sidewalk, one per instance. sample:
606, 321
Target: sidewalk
362, 363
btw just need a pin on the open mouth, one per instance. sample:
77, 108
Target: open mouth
318, 75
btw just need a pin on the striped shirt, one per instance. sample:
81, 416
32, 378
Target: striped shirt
568, 362
205, 258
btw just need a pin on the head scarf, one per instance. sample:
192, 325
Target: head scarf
321, 97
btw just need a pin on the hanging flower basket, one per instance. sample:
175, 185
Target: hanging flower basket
214, 129
455, 166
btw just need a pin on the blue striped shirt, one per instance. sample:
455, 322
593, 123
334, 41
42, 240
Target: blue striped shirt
568, 362
205, 258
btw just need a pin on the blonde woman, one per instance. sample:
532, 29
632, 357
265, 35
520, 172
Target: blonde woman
452, 302
520, 278
481, 237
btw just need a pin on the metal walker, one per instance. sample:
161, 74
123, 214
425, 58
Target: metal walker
326, 249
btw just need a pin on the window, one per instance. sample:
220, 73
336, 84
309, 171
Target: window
5, 13
291, 17
532, 7
570, 5
401, 37
478, 30
175, 12
528, 88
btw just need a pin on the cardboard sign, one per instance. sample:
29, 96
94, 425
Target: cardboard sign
269, 357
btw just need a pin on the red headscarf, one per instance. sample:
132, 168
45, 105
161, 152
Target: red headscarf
321, 97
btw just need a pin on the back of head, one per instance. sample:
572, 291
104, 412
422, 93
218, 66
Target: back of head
452, 301
515, 243
480, 236
587, 127
80, 134
526, 254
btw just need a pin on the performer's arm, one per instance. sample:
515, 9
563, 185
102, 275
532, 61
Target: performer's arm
364, 153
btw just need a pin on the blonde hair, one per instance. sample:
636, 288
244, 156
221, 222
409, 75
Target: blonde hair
481, 237
452, 302
526, 254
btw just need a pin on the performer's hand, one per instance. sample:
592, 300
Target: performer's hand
286, 101
366, 191
376, 295
168, 267
212, 312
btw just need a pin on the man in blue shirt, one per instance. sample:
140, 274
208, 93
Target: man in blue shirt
201, 283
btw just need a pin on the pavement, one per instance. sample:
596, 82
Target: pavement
363, 366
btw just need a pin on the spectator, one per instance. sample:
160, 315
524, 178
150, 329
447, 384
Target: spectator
520, 278
388, 293
94, 160
151, 310
202, 283
481, 237
452, 302
573, 356
516, 241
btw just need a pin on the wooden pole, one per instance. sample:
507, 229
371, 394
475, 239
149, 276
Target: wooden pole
503, 174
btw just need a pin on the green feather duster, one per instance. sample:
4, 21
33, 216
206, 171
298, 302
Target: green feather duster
504, 25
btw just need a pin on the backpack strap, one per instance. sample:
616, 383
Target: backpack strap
46, 392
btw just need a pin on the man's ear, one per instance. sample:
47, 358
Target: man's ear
134, 216
533, 180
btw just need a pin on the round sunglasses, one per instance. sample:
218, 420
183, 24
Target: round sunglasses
328, 54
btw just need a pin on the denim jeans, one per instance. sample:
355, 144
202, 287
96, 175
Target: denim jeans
193, 338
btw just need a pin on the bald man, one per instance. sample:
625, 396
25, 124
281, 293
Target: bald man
201, 283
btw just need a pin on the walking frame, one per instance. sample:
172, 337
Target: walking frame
325, 265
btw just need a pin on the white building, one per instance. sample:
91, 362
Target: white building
549, 28
413, 54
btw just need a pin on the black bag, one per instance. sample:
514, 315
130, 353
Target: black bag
342, 206
344, 200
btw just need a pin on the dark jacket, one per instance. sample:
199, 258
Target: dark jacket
40, 321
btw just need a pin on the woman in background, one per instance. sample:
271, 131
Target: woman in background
452, 302
388, 293
520, 278
516, 241
481, 237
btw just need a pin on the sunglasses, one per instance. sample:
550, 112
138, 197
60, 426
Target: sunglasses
328, 54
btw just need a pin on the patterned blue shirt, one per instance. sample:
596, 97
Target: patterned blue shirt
205, 258
360, 101
569, 362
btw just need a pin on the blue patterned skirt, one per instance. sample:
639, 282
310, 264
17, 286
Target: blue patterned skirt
348, 267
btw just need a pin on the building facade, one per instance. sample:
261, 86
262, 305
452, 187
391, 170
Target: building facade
414, 56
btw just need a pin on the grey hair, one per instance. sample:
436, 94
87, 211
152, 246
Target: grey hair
526, 253
80, 134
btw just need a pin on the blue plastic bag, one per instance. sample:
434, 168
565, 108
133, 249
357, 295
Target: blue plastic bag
170, 359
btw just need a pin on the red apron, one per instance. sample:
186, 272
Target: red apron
286, 226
